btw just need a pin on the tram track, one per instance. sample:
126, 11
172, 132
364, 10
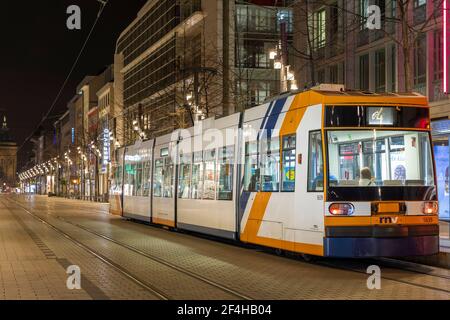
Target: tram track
143, 284
135, 250
358, 266
386, 262
334, 265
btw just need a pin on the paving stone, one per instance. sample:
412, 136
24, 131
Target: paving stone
248, 271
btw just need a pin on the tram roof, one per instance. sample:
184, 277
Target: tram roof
352, 97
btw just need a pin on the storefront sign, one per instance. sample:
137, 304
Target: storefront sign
106, 149
445, 45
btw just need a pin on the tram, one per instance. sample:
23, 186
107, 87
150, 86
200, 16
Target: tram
324, 172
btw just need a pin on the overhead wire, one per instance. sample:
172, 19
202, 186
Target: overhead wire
103, 4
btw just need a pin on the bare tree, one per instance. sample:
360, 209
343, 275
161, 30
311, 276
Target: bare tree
401, 26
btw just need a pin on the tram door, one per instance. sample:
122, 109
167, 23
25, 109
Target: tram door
116, 188
164, 179
310, 176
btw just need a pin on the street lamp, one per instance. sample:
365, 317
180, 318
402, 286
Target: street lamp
287, 77
272, 54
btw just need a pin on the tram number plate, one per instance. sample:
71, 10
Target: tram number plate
388, 207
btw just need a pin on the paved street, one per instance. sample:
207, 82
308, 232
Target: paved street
40, 237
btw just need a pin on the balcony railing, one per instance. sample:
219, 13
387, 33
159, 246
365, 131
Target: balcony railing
421, 88
438, 93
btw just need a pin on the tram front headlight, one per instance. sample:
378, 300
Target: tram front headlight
430, 207
341, 209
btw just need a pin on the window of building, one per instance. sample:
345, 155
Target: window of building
393, 7
185, 176
288, 163
270, 164
393, 68
195, 52
364, 72
319, 29
382, 5
321, 76
380, 71
315, 162
209, 184
420, 60
285, 15
438, 65
260, 19
254, 53
257, 91
334, 76
363, 5
334, 22
158, 180
226, 167
251, 170
197, 176
419, 3
241, 17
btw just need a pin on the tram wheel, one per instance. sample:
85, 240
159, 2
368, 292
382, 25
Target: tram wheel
307, 257
279, 252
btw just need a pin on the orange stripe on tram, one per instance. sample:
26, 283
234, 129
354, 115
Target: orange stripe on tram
256, 216
293, 117
165, 222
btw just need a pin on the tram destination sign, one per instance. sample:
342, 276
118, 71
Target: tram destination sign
377, 116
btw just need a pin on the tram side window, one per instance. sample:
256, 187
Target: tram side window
129, 181
315, 162
158, 178
288, 163
116, 185
270, 164
185, 176
120, 177
146, 178
251, 170
209, 184
197, 176
138, 180
225, 186
168, 178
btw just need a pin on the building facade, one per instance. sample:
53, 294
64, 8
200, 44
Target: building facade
107, 126
65, 137
180, 61
8, 158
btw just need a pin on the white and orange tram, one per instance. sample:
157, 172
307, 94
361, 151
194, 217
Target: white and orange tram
323, 172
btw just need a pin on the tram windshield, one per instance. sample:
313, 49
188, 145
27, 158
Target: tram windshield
371, 159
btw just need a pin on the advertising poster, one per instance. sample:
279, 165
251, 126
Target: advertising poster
441, 153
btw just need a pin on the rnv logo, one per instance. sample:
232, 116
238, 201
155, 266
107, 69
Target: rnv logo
388, 219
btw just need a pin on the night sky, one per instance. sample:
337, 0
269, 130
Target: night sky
37, 51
